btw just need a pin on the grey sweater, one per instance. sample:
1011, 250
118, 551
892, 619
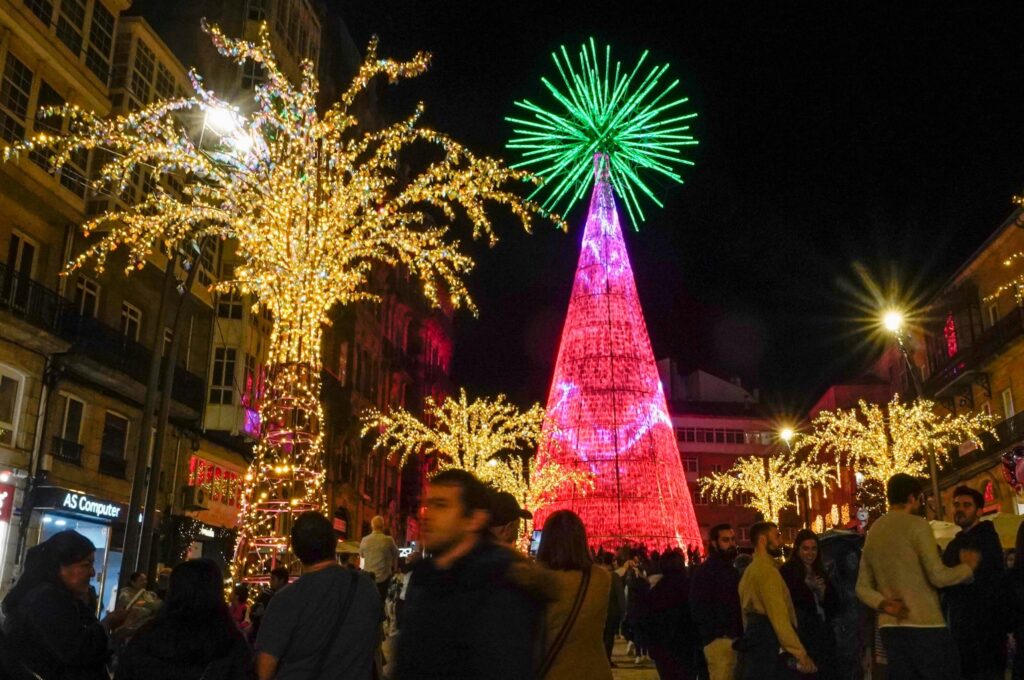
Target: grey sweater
901, 560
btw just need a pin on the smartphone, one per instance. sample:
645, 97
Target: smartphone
535, 542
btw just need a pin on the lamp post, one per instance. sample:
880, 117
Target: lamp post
893, 321
786, 434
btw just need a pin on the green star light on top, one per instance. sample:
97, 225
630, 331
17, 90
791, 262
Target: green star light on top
632, 122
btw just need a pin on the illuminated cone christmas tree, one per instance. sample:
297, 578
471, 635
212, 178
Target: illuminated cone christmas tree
607, 413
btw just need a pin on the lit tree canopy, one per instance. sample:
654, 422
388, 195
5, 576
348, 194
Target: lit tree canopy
879, 442
486, 437
312, 200
771, 482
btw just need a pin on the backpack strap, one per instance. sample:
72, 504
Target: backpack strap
570, 621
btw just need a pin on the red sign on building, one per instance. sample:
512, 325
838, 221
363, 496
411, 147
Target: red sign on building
6, 502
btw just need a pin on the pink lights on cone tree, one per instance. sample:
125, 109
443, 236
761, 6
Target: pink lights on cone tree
607, 413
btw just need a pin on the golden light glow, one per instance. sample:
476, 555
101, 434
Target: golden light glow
786, 434
892, 320
771, 482
879, 441
314, 202
489, 438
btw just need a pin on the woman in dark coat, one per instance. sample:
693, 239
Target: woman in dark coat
193, 635
814, 599
50, 629
672, 639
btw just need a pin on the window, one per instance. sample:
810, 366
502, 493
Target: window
131, 321
717, 468
253, 74
993, 315
87, 296
1008, 410
168, 338
690, 465
14, 91
207, 258
10, 402
21, 259
47, 97
70, 24
115, 436
257, 10
229, 305
42, 9
142, 74
101, 39
71, 425
223, 378
164, 82
122, 51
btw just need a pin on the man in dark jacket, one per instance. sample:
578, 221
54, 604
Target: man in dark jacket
464, 617
970, 608
715, 603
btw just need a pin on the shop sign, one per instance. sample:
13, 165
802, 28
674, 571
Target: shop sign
67, 500
6, 502
207, 532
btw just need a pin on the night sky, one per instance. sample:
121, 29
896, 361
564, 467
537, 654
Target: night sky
841, 144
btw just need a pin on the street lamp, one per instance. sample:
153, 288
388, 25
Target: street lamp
786, 434
893, 320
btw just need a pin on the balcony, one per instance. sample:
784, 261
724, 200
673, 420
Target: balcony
67, 450
113, 466
971, 360
48, 311
1009, 432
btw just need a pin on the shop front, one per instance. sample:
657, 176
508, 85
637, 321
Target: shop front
101, 520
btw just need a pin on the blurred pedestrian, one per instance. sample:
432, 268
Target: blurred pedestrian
900, 571
980, 636
1013, 604
574, 622
464, 617
814, 599
616, 606
715, 603
278, 579
327, 623
769, 619
239, 607
49, 628
380, 555
193, 636
673, 639
638, 591
140, 603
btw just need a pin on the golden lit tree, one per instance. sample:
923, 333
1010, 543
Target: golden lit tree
771, 483
314, 202
880, 441
487, 437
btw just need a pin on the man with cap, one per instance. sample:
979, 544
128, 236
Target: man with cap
506, 518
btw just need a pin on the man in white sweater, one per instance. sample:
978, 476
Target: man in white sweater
900, 572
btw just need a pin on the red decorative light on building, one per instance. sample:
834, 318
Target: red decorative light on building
949, 331
606, 408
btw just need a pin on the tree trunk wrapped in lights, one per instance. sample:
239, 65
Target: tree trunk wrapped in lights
313, 202
771, 482
484, 437
879, 442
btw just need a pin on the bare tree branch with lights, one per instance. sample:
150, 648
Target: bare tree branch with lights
771, 482
314, 202
487, 437
879, 442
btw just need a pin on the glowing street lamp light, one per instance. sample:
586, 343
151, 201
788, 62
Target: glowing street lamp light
893, 321
786, 434
221, 120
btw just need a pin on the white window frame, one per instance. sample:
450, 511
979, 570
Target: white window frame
1007, 398
691, 461
993, 314
85, 283
129, 313
24, 240
68, 398
9, 371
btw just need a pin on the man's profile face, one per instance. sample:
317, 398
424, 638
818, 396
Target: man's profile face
725, 545
774, 543
444, 523
965, 511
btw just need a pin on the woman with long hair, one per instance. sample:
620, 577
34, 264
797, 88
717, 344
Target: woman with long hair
814, 599
193, 635
574, 620
49, 627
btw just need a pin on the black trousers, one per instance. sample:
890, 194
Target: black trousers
920, 653
759, 657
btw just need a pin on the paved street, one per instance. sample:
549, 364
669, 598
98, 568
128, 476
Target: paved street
626, 669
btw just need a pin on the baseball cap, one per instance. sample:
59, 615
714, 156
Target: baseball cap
505, 508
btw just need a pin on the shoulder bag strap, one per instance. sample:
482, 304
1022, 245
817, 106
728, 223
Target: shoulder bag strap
338, 622
570, 621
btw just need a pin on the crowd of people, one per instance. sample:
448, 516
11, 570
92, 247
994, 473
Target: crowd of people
473, 606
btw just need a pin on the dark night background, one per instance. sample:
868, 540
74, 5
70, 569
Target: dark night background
840, 143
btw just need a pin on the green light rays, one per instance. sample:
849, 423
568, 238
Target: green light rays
636, 122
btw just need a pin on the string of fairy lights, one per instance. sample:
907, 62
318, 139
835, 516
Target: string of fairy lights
313, 202
487, 437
